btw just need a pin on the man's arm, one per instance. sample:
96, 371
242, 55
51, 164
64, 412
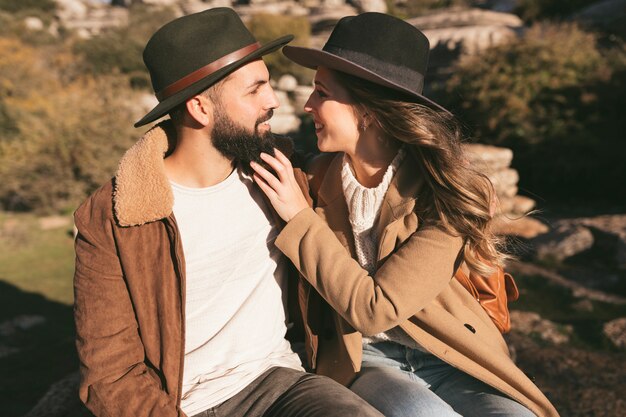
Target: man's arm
114, 378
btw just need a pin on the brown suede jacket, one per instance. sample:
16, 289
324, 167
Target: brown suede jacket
129, 287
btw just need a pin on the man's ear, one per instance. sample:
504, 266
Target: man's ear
200, 109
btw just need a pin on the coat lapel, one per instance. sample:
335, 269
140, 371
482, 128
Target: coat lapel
332, 207
397, 218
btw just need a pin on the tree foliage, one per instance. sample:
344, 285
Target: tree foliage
556, 98
120, 49
268, 27
60, 139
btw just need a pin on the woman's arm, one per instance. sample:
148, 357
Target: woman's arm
408, 280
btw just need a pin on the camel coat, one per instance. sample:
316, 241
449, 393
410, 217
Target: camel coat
413, 288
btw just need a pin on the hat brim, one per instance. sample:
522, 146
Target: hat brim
314, 58
169, 103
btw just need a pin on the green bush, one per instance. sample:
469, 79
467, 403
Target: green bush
60, 139
557, 100
534, 10
14, 6
267, 27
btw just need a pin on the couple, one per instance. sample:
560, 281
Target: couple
208, 251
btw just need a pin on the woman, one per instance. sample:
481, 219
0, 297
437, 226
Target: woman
397, 211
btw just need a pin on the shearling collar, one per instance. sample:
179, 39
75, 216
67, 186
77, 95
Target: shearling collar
142, 192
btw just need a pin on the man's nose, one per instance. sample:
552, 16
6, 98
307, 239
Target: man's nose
272, 99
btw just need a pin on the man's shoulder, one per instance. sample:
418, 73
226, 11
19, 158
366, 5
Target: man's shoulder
98, 206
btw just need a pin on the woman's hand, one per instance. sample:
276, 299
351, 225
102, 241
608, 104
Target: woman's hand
283, 192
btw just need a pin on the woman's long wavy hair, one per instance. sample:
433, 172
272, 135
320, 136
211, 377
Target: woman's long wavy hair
458, 198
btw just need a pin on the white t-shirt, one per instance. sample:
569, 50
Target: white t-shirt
235, 291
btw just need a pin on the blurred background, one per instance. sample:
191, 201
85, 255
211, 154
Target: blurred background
539, 86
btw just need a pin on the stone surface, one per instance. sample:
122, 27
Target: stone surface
522, 205
469, 39
300, 96
284, 120
61, 400
33, 23
488, 159
465, 17
615, 331
379, 6
530, 323
611, 230
563, 241
71, 10
287, 83
525, 227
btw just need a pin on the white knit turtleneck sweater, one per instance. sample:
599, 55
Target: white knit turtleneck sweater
364, 206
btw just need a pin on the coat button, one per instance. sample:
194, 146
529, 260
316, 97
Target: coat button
470, 327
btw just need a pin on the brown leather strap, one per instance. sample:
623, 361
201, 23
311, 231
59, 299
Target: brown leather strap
205, 71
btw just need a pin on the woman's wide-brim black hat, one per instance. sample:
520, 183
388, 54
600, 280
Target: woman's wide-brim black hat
193, 52
376, 47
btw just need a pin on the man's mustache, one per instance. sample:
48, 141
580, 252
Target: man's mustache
265, 118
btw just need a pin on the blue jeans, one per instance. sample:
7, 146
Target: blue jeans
404, 382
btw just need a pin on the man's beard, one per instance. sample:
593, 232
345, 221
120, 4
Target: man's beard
234, 141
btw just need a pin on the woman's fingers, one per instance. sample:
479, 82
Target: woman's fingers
276, 165
269, 191
269, 178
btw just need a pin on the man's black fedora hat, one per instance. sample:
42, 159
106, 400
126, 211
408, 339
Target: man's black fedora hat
193, 52
376, 47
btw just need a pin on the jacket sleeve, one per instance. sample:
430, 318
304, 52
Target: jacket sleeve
115, 381
408, 280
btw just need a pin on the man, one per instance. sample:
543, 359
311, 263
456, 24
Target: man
179, 290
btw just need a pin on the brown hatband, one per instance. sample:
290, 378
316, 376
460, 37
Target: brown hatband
205, 71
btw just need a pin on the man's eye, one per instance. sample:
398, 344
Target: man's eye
321, 94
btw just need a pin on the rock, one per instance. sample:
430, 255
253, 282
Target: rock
71, 10
530, 323
563, 241
522, 205
505, 182
300, 96
615, 331
33, 23
525, 227
287, 83
610, 231
284, 123
23, 322
61, 400
284, 120
379, 6
583, 306
488, 159
453, 17
469, 39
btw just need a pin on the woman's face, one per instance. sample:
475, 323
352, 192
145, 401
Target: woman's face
336, 124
